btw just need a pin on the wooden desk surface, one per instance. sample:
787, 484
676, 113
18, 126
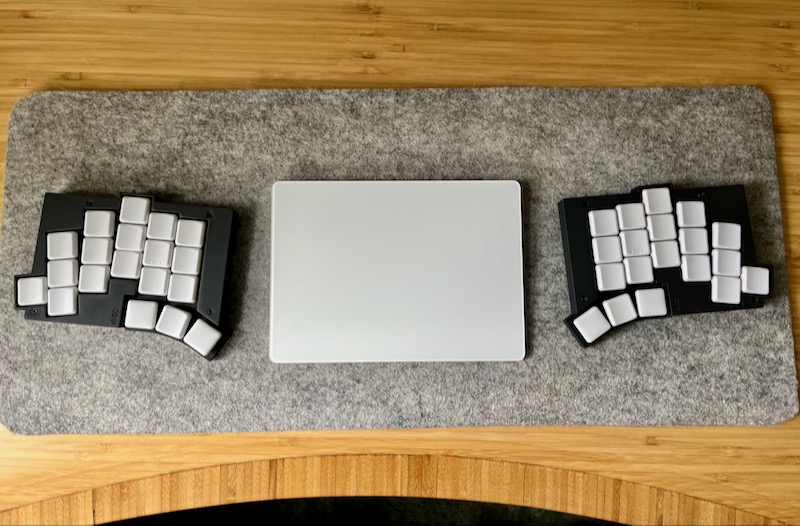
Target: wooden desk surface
641, 475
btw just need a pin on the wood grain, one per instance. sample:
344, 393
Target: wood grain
633, 475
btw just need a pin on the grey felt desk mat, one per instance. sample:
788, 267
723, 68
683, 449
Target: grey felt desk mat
226, 148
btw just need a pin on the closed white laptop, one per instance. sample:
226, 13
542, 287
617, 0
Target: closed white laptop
387, 271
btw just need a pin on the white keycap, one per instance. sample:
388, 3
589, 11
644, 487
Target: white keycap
97, 250
657, 201
191, 233
726, 262
661, 227
691, 213
62, 273
604, 250
162, 226
187, 260
651, 303
755, 280
693, 240
141, 314
634, 243
31, 291
130, 237
638, 270
202, 337
695, 268
665, 254
173, 322
592, 324
182, 288
157, 253
725, 289
603, 223
620, 309
93, 279
127, 265
610, 276
134, 210
154, 281
726, 235
62, 245
630, 216
62, 301
98, 223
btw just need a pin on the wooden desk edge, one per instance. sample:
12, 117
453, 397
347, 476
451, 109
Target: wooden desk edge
384, 475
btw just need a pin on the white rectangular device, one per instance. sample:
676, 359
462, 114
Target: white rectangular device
396, 271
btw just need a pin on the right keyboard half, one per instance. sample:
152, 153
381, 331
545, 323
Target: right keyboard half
658, 251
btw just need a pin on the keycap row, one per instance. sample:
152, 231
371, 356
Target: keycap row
633, 216
162, 227
173, 322
593, 323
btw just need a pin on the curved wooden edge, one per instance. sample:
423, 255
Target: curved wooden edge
75, 508
384, 475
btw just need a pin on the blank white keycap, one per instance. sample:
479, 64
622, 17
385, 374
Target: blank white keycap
651, 303
634, 243
173, 322
62, 273
191, 233
755, 280
695, 268
726, 235
592, 324
610, 276
726, 262
202, 337
62, 301
97, 250
661, 227
127, 265
94, 279
162, 226
187, 260
604, 250
62, 245
603, 223
638, 270
154, 281
31, 291
98, 223
134, 210
182, 288
157, 253
725, 289
693, 240
141, 314
130, 237
691, 213
620, 309
665, 254
657, 201
630, 216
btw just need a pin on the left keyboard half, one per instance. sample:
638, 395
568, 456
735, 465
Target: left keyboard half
131, 261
